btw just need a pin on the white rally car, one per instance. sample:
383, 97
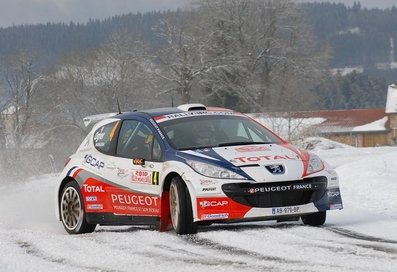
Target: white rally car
182, 167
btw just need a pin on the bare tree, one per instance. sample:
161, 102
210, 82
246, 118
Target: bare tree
124, 66
183, 60
262, 48
20, 79
86, 83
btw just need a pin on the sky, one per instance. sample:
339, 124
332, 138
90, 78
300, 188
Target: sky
19, 12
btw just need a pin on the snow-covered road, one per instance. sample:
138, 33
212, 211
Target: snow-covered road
361, 237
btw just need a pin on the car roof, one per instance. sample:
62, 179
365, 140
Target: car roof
163, 111
151, 113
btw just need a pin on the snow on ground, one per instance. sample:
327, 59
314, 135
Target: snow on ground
362, 236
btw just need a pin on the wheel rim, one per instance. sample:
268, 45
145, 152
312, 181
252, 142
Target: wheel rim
174, 205
71, 209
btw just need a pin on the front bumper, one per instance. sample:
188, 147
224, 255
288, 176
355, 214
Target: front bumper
241, 201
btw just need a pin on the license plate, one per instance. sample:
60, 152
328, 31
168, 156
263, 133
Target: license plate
286, 210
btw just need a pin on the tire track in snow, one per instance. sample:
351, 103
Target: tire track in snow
359, 236
236, 251
375, 243
332, 246
30, 249
172, 251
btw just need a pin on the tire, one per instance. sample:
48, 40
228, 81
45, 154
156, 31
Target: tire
72, 210
315, 219
181, 208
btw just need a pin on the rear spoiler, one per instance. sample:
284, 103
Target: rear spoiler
92, 119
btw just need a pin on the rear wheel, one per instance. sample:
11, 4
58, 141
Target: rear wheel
315, 219
181, 208
72, 210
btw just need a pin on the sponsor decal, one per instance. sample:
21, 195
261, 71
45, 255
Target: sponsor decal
280, 188
333, 194
145, 177
95, 206
335, 206
207, 182
135, 204
140, 200
205, 150
263, 158
92, 161
122, 173
138, 161
214, 203
210, 189
93, 188
167, 117
306, 186
118, 200
99, 135
215, 216
155, 178
252, 148
91, 198
157, 128
220, 208
100, 144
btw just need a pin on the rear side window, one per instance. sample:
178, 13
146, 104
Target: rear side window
104, 136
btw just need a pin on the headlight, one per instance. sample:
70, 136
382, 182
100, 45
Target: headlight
213, 171
315, 164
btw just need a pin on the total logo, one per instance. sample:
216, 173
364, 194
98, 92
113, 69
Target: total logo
214, 203
93, 189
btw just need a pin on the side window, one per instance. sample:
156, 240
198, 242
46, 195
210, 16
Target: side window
136, 140
103, 137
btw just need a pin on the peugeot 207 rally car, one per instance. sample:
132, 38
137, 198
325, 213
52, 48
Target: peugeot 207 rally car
182, 167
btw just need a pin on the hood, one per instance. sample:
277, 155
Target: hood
263, 163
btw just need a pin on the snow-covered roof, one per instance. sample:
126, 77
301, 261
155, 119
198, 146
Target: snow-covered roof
335, 121
378, 125
391, 102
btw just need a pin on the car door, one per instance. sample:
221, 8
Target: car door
135, 169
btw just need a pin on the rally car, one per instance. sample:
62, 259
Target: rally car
178, 168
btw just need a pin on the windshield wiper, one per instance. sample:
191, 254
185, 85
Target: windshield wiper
242, 143
197, 147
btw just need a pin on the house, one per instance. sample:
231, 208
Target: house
356, 127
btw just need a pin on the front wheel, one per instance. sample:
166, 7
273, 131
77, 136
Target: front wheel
315, 219
72, 210
181, 208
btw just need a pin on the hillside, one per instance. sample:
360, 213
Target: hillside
357, 36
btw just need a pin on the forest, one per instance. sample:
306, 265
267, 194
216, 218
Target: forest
247, 55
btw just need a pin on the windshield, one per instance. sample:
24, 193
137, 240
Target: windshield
214, 131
